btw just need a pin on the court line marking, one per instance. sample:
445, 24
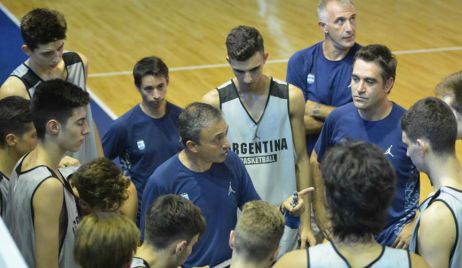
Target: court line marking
224, 65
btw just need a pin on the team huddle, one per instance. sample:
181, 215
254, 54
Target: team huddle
320, 170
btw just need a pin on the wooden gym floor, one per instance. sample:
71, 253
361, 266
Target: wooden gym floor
426, 36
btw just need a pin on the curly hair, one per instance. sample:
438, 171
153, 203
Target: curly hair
243, 42
42, 26
359, 184
101, 184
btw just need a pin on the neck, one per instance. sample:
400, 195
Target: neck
350, 247
158, 259
8, 158
332, 52
45, 72
48, 154
194, 163
260, 87
154, 112
238, 262
445, 171
377, 112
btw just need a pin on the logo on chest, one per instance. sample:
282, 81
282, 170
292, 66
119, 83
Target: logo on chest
310, 78
141, 145
388, 151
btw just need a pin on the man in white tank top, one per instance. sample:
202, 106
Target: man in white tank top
44, 33
359, 187
430, 132
266, 130
42, 213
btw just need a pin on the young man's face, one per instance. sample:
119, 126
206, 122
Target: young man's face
367, 86
47, 56
249, 72
73, 132
213, 146
341, 24
27, 141
153, 90
414, 153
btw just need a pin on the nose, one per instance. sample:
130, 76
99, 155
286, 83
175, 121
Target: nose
361, 87
247, 77
225, 144
156, 94
86, 129
349, 26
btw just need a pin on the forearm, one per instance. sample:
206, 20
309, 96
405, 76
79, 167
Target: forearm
303, 182
318, 110
312, 125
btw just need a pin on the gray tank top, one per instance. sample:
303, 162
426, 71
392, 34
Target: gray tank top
19, 216
75, 75
453, 200
327, 256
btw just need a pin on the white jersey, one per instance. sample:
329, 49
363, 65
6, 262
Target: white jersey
452, 198
19, 216
265, 147
75, 75
327, 256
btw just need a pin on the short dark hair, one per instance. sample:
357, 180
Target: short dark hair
42, 26
359, 185
15, 117
382, 56
105, 239
452, 86
194, 118
258, 231
170, 218
149, 66
55, 99
101, 184
243, 42
432, 119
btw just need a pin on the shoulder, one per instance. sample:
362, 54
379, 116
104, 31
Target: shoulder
212, 97
304, 54
83, 58
341, 111
13, 86
174, 109
296, 99
296, 258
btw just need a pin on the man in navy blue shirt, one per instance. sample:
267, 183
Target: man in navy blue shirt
209, 174
323, 71
145, 136
373, 118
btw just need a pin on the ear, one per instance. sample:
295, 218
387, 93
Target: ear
10, 139
389, 85
192, 146
26, 49
84, 206
53, 127
423, 146
180, 247
323, 26
231, 239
